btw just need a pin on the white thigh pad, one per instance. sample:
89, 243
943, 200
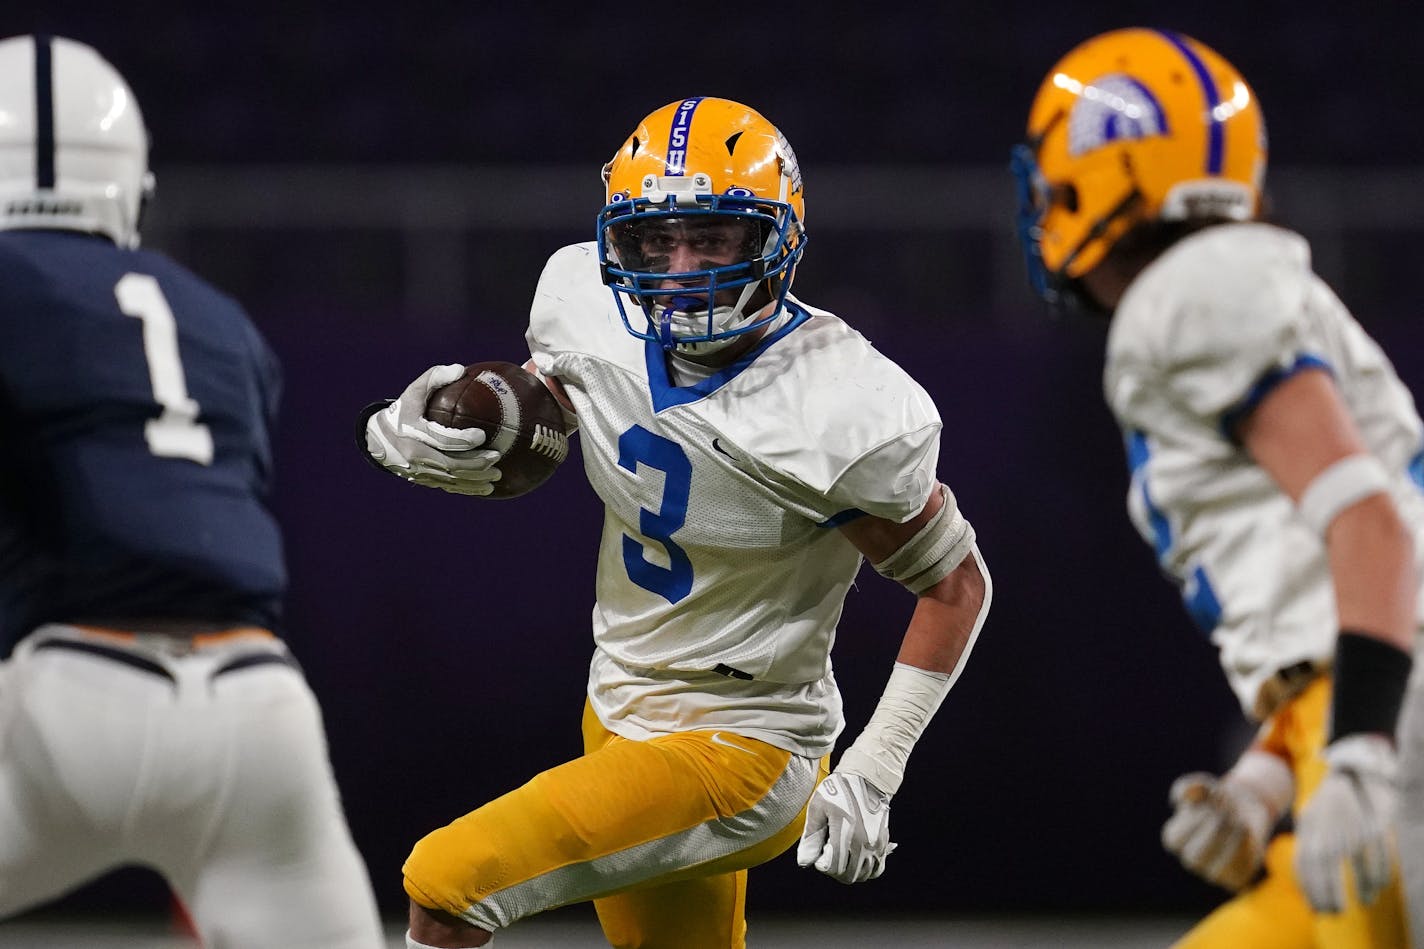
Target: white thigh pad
934, 551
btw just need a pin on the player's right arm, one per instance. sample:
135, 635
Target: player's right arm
1303, 435
1299, 433
934, 556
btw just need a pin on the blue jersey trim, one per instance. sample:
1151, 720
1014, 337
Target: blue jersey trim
1138, 453
1216, 139
1268, 381
843, 517
1201, 601
675, 161
1416, 469
1198, 595
666, 395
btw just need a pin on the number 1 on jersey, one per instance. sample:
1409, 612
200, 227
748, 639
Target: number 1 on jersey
176, 433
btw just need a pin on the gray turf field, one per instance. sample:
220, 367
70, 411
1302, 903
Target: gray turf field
763, 933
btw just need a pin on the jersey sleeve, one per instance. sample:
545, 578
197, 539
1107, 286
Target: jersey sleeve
1223, 324
852, 434
569, 291
894, 480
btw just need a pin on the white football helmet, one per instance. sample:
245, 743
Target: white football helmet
73, 147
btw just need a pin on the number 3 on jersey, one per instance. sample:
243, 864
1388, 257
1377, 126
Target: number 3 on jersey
176, 433
673, 582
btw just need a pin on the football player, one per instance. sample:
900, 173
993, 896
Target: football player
1276, 470
750, 450
148, 712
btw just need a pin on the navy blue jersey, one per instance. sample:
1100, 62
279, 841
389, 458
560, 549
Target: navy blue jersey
136, 407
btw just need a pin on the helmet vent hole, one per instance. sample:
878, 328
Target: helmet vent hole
633, 146
732, 142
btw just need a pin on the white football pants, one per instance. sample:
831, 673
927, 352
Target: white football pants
220, 783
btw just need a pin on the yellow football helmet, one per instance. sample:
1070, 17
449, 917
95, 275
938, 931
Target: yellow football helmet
1131, 126
717, 180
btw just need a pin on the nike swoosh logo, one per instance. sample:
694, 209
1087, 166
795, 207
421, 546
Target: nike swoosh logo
717, 446
717, 739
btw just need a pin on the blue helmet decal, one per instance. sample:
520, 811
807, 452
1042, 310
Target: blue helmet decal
1216, 140
676, 160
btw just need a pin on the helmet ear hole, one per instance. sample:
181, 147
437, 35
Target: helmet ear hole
1065, 195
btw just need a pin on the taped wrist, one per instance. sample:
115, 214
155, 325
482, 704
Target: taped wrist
1346, 482
935, 550
910, 700
1370, 679
1266, 776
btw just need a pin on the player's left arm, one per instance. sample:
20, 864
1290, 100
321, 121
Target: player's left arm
933, 554
1303, 435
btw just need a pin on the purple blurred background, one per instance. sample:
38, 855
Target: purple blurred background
448, 638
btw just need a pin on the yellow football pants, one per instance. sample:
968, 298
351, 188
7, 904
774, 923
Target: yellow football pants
1274, 914
659, 834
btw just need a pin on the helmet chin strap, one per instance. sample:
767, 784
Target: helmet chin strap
723, 318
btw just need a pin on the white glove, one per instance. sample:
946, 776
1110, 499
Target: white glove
405, 443
1349, 818
1220, 826
847, 834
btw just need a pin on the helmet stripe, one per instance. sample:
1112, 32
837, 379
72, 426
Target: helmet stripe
44, 112
676, 161
1216, 139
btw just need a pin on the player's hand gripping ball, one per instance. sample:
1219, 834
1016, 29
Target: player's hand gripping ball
520, 417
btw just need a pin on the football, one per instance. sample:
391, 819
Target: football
519, 415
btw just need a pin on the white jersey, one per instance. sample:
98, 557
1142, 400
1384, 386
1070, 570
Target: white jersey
721, 574
1199, 338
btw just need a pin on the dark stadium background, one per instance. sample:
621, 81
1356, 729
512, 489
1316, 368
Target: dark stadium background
448, 638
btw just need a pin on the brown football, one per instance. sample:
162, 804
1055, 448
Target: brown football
519, 416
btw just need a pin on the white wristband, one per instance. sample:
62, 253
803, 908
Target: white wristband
1268, 776
1345, 482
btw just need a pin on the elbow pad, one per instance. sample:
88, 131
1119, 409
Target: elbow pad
935, 550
